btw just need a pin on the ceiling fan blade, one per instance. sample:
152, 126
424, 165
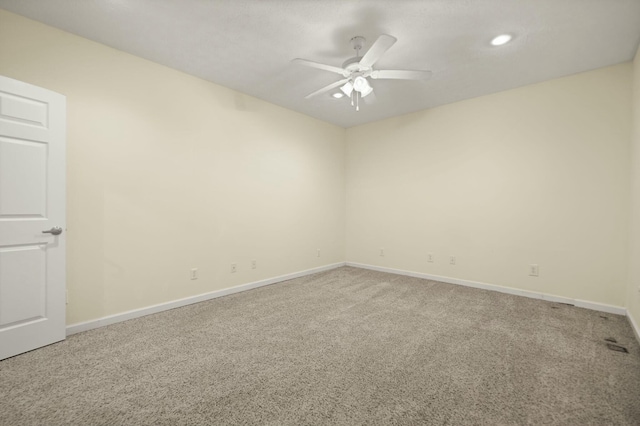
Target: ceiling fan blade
327, 88
318, 65
401, 74
377, 49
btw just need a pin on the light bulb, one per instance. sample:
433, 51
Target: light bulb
360, 83
501, 39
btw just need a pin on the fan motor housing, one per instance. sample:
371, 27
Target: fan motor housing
352, 65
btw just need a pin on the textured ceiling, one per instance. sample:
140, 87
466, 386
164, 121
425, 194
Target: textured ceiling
247, 45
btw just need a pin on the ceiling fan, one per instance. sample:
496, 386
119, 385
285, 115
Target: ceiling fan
357, 70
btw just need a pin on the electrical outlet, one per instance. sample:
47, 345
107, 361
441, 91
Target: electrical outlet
382, 252
533, 270
234, 268
254, 264
318, 252
194, 273
452, 260
430, 257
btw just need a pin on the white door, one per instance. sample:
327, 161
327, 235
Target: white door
32, 200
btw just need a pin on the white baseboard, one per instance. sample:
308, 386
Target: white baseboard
634, 325
475, 284
136, 313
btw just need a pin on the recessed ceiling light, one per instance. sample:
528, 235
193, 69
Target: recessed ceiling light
501, 39
337, 95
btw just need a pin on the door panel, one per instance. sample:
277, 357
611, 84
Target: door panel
23, 110
23, 178
32, 200
23, 277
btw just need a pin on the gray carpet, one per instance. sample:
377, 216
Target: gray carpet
347, 346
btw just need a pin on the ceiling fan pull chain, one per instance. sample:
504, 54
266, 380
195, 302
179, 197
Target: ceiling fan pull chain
357, 101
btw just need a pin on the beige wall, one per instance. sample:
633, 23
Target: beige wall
167, 172
633, 290
535, 175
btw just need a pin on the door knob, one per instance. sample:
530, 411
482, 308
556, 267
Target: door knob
56, 230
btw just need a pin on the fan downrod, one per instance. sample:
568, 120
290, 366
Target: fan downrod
352, 64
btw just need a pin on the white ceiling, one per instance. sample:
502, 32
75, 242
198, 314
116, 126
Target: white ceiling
247, 45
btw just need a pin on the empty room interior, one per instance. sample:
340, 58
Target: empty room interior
319, 212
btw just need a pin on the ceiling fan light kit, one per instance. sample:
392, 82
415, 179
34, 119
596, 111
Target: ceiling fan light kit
360, 84
347, 89
357, 70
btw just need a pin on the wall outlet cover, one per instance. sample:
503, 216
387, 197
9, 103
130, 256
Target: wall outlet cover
534, 270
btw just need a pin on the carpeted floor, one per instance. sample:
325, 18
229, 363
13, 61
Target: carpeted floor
347, 346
